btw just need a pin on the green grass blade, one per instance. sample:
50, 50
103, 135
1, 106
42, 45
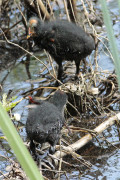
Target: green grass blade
18, 147
119, 4
111, 37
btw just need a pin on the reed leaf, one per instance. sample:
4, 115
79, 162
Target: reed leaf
111, 37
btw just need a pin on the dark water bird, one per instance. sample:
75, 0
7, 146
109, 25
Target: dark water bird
62, 39
46, 120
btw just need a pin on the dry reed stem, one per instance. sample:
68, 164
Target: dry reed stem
71, 6
87, 138
66, 9
43, 9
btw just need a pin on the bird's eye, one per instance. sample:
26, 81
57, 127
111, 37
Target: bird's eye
34, 28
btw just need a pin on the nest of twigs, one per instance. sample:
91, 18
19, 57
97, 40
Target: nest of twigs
95, 95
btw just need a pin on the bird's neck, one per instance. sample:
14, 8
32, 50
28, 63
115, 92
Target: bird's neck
40, 28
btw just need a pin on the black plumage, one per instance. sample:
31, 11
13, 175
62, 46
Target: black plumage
62, 39
45, 120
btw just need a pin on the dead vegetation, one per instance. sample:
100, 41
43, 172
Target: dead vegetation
94, 95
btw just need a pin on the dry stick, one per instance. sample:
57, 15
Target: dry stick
4, 175
60, 162
0, 5
74, 108
51, 9
43, 9
96, 62
39, 13
95, 34
18, 6
66, 9
90, 5
10, 28
87, 138
51, 63
72, 10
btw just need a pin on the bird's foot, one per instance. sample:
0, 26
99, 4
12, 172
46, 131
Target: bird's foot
52, 149
57, 83
44, 155
47, 162
38, 158
78, 76
63, 80
41, 161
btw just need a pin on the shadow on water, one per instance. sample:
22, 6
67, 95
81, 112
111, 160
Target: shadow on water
19, 73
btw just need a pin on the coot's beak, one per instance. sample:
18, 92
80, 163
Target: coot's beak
28, 36
30, 33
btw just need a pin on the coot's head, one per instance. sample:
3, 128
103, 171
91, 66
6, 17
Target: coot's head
59, 99
34, 26
32, 101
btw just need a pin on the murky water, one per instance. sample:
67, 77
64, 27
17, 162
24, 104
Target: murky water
106, 165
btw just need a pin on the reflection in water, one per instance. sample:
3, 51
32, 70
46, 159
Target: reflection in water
27, 63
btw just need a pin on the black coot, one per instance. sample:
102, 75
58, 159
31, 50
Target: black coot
45, 121
62, 39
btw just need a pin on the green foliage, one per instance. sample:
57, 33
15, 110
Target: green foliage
111, 37
8, 104
119, 4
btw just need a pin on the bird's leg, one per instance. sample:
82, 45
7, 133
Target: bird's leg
35, 154
60, 71
77, 63
52, 149
40, 158
32, 148
85, 65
